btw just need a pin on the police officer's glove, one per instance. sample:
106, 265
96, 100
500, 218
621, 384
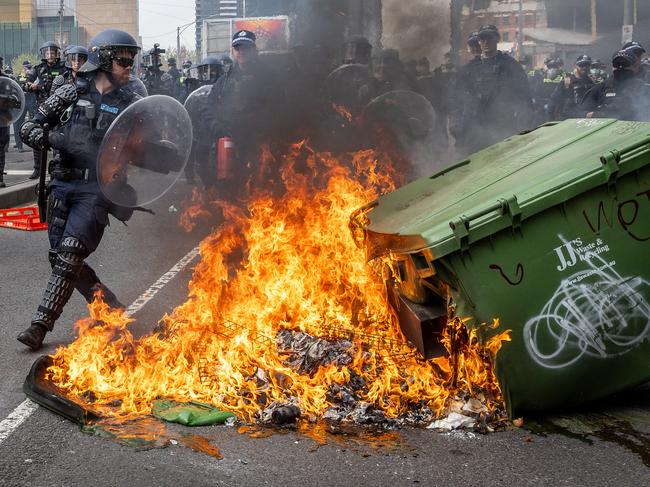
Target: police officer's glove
33, 135
57, 140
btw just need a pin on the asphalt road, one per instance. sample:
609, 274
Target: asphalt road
605, 444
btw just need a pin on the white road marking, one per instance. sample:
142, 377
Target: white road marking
25, 409
18, 172
16, 418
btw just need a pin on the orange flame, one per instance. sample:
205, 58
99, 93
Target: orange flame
298, 269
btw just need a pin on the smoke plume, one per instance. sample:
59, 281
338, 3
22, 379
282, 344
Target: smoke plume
418, 28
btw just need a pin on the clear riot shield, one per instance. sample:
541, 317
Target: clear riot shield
144, 151
408, 123
342, 85
12, 101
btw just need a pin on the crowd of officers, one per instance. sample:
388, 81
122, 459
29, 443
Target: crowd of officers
499, 98
476, 105
247, 103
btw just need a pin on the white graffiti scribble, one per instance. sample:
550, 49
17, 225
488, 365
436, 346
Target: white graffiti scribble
595, 312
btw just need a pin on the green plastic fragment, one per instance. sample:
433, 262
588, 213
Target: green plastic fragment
189, 413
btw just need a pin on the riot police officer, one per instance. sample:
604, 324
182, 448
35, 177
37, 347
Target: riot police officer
153, 76
544, 88
245, 106
598, 71
566, 99
30, 104
495, 95
4, 134
174, 78
75, 57
638, 53
623, 95
77, 212
39, 81
473, 46
208, 71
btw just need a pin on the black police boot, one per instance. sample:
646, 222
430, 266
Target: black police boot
66, 268
37, 165
2, 171
33, 336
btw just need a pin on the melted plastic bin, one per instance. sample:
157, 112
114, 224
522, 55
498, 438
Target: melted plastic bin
549, 232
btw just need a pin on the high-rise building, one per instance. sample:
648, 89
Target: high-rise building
215, 9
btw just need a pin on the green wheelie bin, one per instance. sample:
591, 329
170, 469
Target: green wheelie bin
549, 232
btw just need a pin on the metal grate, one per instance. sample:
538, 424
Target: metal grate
383, 347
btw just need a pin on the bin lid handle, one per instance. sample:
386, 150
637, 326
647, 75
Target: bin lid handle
461, 226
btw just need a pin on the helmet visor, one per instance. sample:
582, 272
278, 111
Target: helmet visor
75, 61
50, 53
209, 72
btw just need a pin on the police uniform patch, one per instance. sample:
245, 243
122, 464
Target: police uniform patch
107, 108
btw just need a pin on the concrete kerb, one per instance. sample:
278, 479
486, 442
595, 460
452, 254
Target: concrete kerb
20, 190
18, 194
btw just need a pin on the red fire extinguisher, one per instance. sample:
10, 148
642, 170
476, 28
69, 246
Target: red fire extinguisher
225, 158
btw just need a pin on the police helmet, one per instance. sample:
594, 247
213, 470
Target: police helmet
583, 60
551, 63
243, 37
634, 48
187, 64
598, 64
171, 61
623, 59
75, 53
210, 69
48, 47
489, 30
104, 48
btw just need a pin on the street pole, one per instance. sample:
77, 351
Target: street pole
520, 34
61, 7
628, 21
178, 45
594, 18
628, 13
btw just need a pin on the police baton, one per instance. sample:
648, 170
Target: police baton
42, 202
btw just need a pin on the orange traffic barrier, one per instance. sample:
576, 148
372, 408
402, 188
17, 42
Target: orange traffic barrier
22, 219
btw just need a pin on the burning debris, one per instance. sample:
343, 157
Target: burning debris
307, 354
301, 328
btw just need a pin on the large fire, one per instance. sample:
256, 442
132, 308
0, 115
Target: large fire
285, 263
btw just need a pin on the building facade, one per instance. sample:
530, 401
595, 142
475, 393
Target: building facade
26, 24
97, 15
